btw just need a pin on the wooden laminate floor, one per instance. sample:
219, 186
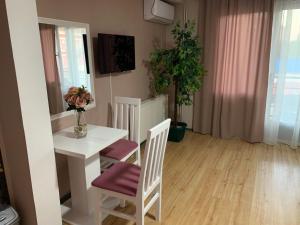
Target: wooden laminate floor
209, 181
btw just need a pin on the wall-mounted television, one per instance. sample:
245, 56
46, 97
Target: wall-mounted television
116, 53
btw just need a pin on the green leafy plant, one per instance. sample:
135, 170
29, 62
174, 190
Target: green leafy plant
179, 66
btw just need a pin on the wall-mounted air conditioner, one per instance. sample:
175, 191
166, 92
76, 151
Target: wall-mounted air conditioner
159, 11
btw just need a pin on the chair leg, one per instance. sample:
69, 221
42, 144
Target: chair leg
97, 207
158, 205
122, 203
140, 217
138, 157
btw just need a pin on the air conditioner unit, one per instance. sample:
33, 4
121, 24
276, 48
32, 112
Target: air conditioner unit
159, 11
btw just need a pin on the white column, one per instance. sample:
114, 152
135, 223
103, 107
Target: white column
25, 129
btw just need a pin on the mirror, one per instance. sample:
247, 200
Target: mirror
66, 50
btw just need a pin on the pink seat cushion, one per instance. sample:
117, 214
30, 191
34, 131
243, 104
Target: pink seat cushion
121, 177
119, 150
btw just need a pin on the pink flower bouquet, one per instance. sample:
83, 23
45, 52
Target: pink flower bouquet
78, 98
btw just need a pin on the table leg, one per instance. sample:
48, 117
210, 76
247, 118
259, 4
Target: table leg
82, 172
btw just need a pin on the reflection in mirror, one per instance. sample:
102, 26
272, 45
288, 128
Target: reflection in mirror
66, 62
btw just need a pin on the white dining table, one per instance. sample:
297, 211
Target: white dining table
84, 167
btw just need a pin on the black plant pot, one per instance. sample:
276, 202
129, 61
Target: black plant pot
176, 133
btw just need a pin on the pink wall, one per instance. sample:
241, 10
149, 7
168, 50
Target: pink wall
107, 16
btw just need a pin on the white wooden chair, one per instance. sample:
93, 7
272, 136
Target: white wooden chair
126, 116
133, 183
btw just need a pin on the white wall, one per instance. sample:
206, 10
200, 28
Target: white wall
26, 135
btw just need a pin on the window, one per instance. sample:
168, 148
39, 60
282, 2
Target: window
282, 121
71, 58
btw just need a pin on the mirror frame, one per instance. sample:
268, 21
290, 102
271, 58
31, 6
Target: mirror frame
91, 65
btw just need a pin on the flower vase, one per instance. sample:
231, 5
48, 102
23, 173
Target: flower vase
80, 128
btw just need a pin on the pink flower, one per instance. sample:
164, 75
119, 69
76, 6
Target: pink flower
80, 102
73, 90
72, 100
86, 96
67, 96
78, 97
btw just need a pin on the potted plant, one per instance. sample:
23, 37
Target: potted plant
181, 68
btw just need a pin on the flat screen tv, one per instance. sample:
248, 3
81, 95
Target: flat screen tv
116, 53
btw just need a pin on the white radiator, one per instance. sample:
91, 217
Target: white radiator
153, 111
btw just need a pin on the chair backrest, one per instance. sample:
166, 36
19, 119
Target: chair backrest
127, 116
152, 164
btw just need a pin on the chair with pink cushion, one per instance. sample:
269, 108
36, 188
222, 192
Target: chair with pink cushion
133, 183
126, 116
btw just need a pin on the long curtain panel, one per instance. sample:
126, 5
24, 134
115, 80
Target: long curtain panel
72, 62
55, 99
236, 40
282, 119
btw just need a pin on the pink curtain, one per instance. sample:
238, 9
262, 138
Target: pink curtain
47, 34
236, 39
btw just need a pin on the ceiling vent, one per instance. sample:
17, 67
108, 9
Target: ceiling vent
159, 11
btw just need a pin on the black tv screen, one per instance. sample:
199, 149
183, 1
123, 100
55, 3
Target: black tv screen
116, 53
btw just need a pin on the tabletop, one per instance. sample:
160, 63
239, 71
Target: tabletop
97, 138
